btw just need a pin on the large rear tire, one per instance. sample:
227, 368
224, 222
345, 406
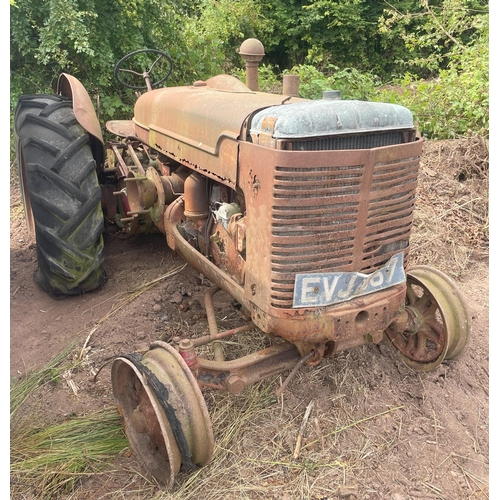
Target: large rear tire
61, 195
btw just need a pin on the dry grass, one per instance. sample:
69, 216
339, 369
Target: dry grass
49, 460
46, 460
451, 218
255, 438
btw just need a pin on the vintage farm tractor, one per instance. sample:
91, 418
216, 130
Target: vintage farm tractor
300, 209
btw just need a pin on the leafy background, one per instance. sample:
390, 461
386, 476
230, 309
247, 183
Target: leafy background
429, 55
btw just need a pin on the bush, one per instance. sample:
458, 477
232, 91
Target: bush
455, 102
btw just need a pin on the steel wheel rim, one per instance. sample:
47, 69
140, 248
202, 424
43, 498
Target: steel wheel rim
129, 388
442, 318
146, 424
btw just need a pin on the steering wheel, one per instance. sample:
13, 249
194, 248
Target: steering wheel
145, 74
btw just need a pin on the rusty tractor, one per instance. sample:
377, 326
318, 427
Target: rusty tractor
300, 209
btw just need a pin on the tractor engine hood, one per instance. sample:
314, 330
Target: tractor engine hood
200, 125
327, 117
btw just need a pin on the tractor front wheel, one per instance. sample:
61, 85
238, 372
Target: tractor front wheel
438, 325
61, 194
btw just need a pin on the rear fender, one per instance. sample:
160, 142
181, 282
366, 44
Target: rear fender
85, 114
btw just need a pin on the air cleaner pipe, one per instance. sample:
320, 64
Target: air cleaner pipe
252, 51
291, 84
195, 197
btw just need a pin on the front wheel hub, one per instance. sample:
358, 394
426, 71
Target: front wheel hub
438, 322
163, 411
415, 321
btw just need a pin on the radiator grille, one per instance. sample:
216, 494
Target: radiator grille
331, 143
323, 221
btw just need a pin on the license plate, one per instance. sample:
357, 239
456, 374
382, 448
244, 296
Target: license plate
324, 289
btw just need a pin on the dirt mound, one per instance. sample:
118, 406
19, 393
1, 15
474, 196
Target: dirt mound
451, 224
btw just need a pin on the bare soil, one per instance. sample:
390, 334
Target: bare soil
377, 430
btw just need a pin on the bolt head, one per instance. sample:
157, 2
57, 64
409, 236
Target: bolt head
235, 384
185, 345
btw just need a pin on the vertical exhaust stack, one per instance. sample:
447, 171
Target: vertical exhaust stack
252, 51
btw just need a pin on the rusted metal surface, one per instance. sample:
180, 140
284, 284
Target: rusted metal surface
141, 193
137, 163
252, 51
206, 339
307, 329
199, 126
121, 128
361, 202
188, 354
237, 374
117, 160
351, 210
436, 324
212, 323
157, 210
305, 211
164, 413
173, 215
291, 84
85, 114
195, 197
225, 253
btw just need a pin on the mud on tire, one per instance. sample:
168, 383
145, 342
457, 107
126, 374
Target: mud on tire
62, 194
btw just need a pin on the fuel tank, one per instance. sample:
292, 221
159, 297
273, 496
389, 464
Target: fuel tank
200, 125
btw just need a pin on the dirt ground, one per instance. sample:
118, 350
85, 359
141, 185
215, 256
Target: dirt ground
377, 430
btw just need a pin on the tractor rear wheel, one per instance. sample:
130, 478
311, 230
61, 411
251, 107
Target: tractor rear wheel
61, 195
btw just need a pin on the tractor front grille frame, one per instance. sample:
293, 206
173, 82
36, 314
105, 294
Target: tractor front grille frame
339, 218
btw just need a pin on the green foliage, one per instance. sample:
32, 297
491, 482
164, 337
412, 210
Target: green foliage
431, 31
458, 99
113, 106
318, 32
269, 81
369, 35
86, 38
353, 84
217, 29
349, 45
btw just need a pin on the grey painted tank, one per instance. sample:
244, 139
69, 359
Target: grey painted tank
331, 116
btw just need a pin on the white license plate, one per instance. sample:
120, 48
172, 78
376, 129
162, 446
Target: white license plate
324, 289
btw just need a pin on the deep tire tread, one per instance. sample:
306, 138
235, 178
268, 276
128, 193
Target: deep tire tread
52, 108
70, 152
65, 195
43, 146
85, 210
84, 173
64, 185
50, 125
43, 204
